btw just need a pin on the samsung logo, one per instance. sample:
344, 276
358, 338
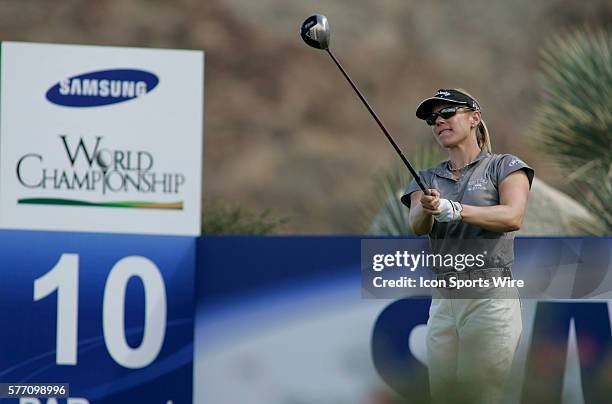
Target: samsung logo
102, 87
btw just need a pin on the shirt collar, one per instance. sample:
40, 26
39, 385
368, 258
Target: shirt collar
443, 169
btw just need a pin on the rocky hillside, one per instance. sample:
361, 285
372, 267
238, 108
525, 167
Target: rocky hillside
283, 131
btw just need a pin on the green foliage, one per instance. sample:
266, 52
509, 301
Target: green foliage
392, 216
574, 125
221, 219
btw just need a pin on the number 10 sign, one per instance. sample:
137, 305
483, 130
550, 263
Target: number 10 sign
112, 315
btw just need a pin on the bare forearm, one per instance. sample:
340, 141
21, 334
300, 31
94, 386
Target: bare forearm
499, 218
420, 221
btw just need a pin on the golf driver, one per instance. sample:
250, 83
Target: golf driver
315, 32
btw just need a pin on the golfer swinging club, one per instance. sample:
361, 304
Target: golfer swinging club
475, 195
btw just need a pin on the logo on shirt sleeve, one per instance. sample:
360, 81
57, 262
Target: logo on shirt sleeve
514, 162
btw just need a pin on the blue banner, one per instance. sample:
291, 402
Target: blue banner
112, 315
282, 319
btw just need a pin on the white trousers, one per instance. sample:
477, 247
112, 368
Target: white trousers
470, 348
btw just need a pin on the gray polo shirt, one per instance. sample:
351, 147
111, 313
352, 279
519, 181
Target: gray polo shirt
477, 185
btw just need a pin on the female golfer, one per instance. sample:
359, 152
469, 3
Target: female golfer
477, 202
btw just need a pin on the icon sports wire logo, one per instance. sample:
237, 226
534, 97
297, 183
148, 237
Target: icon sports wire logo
102, 87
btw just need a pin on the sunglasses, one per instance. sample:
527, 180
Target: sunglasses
445, 113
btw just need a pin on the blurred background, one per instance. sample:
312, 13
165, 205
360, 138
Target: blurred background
288, 147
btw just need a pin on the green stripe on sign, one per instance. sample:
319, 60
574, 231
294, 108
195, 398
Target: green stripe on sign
117, 204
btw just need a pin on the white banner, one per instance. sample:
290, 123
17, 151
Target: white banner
102, 139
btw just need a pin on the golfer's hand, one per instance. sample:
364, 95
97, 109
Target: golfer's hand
450, 211
431, 203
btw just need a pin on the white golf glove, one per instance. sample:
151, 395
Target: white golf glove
449, 211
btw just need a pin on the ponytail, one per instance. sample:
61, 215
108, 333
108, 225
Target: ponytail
482, 133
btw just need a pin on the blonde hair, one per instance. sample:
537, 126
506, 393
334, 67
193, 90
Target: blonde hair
482, 132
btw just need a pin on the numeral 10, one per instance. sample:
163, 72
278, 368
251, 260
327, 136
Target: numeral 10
64, 278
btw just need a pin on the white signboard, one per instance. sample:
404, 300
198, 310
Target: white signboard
101, 139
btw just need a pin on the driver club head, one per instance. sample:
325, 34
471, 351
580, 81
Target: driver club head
315, 31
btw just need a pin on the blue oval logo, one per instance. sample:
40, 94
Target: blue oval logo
103, 87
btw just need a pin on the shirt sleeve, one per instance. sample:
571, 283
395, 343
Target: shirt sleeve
507, 164
413, 186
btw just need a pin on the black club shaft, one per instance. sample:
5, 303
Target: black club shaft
380, 124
